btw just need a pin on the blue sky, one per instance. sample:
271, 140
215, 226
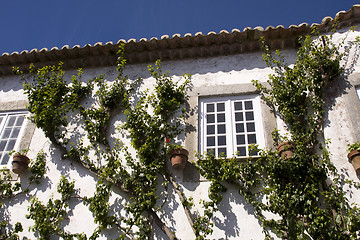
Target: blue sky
40, 24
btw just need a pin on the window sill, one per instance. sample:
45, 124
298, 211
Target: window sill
191, 174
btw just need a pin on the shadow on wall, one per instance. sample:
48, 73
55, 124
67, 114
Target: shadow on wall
11, 83
170, 206
342, 106
229, 222
225, 64
21, 200
201, 66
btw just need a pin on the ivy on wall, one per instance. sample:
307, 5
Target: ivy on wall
304, 192
151, 118
10, 190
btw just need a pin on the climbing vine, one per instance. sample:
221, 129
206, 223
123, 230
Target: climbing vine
151, 118
10, 189
47, 218
303, 191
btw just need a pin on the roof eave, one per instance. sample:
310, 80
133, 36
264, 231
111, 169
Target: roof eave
176, 47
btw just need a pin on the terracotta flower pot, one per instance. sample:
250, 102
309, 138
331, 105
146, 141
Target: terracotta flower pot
20, 163
285, 150
179, 158
354, 158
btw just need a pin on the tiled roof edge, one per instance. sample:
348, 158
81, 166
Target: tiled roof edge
175, 47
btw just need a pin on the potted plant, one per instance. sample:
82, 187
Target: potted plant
354, 155
285, 150
179, 157
20, 161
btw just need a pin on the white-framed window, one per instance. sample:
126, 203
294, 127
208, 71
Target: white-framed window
357, 89
229, 125
11, 129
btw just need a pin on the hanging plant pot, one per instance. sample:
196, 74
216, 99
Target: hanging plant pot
179, 158
285, 150
20, 163
354, 159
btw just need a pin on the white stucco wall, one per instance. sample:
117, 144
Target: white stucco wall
235, 220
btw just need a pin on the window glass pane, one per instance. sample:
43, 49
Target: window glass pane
238, 105
11, 121
239, 127
221, 140
240, 139
250, 127
237, 131
210, 151
210, 108
239, 116
210, 141
210, 129
241, 151
249, 116
222, 152
6, 133
210, 118
221, 128
10, 145
2, 145
248, 105
221, 117
5, 159
15, 132
221, 107
253, 151
19, 121
251, 138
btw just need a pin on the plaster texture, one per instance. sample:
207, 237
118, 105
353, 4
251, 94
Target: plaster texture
222, 76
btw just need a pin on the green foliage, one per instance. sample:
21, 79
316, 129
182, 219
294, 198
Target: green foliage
9, 188
169, 96
48, 218
98, 204
202, 224
38, 168
21, 152
6, 233
149, 131
353, 146
296, 92
296, 189
151, 117
6, 187
51, 97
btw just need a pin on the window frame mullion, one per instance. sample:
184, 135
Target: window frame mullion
230, 123
229, 128
3, 124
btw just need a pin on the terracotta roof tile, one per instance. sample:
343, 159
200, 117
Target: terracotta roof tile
175, 47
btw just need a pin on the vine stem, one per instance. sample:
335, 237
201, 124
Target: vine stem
325, 184
126, 232
152, 214
155, 218
182, 199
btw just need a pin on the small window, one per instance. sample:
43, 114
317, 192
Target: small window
11, 128
357, 89
230, 125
